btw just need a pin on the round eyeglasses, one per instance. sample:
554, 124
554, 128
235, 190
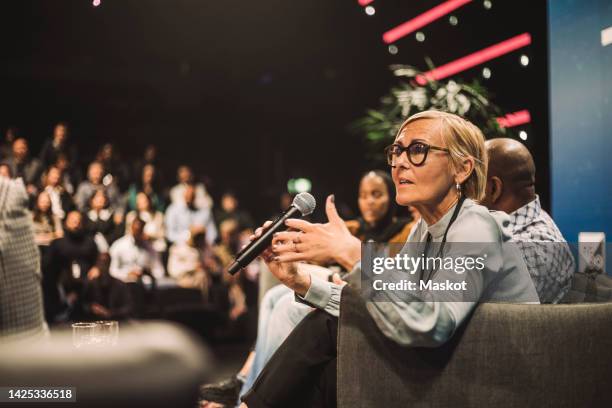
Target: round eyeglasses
417, 152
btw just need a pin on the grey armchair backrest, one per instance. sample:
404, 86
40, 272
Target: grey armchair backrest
505, 356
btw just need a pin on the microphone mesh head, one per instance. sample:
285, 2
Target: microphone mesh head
305, 202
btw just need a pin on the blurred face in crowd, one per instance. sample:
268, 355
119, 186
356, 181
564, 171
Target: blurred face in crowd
62, 162
60, 133
184, 174
106, 153
373, 198
229, 203
150, 153
98, 201
429, 183
228, 230
148, 173
74, 221
95, 173
43, 202
20, 149
137, 229
189, 194
142, 202
10, 135
54, 176
5, 171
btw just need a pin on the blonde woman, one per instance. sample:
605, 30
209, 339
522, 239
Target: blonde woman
438, 164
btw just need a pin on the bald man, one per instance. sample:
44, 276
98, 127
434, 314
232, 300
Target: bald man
511, 188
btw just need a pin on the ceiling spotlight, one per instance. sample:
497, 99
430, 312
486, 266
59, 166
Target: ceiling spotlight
524, 60
523, 135
487, 4
420, 37
370, 10
96, 3
393, 49
453, 20
486, 73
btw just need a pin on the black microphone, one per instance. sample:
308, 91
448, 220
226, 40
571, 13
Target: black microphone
303, 204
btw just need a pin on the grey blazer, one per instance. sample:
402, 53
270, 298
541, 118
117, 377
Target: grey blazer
21, 306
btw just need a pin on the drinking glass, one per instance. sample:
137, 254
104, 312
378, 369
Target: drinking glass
83, 334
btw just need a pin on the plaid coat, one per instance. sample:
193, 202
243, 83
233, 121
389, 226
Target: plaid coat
21, 306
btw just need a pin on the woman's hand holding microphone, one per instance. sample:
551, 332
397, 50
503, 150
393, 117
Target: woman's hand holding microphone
313, 243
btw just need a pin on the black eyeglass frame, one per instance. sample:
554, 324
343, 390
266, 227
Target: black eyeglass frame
406, 149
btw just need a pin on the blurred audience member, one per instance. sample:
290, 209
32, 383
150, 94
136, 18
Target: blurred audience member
21, 311
56, 145
65, 266
94, 182
47, 226
150, 157
511, 188
6, 146
24, 166
104, 297
185, 177
5, 170
189, 262
184, 219
61, 200
71, 176
147, 184
116, 171
229, 242
154, 221
133, 256
229, 210
102, 220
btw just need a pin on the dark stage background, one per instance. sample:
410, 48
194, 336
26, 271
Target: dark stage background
250, 93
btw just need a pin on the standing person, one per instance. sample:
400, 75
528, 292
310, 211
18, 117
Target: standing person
511, 188
21, 302
6, 146
439, 164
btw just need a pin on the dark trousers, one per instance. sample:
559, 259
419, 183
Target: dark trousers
302, 372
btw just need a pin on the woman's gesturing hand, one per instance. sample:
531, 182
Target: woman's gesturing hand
286, 272
318, 243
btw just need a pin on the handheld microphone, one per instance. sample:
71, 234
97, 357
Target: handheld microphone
303, 204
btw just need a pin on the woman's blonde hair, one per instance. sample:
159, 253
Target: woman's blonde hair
463, 139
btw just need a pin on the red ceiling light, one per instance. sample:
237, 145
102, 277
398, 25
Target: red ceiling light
474, 59
365, 2
514, 119
422, 20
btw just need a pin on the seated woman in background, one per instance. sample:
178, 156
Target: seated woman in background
154, 221
438, 163
61, 200
279, 313
47, 226
102, 221
146, 184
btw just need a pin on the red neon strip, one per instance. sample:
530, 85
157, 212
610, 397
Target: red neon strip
365, 2
474, 59
422, 20
514, 119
